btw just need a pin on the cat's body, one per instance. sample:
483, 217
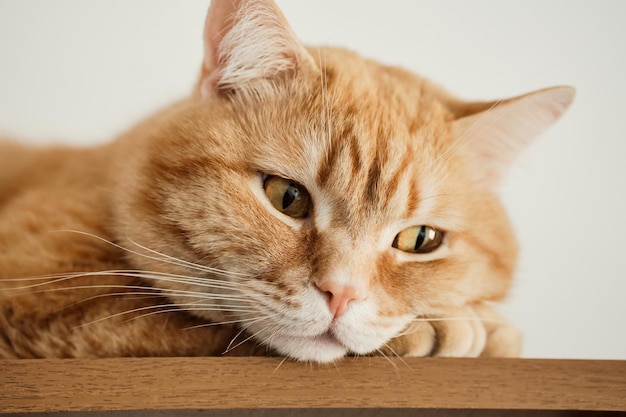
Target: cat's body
48, 191
277, 199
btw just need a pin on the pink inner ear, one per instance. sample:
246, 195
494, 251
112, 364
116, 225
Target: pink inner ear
497, 136
219, 21
247, 45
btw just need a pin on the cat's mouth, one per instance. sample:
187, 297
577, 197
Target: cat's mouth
324, 347
327, 341
327, 338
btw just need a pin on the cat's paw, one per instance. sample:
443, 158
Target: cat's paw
503, 339
468, 331
458, 332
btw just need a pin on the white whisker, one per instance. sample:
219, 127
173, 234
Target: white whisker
242, 342
190, 307
280, 364
170, 307
387, 357
145, 294
191, 264
243, 329
168, 259
458, 319
220, 323
439, 319
398, 356
150, 275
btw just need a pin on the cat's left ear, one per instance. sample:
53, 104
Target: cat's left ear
497, 132
249, 47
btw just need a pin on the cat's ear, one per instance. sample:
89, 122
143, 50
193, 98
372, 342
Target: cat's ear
497, 132
248, 46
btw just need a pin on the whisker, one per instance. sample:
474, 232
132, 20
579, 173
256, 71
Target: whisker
458, 319
421, 319
151, 275
60, 278
398, 356
112, 316
147, 294
40, 277
280, 364
270, 339
192, 264
168, 259
386, 357
210, 324
167, 319
243, 329
242, 342
171, 307
193, 307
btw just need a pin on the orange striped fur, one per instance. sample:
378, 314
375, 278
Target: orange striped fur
163, 242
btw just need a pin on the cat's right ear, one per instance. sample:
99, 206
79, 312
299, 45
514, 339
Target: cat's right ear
248, 47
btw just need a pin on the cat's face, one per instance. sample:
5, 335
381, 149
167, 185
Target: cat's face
340, 199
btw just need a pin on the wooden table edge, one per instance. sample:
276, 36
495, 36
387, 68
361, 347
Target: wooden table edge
219, 383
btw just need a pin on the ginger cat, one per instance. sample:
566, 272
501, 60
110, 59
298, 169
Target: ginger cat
304, 202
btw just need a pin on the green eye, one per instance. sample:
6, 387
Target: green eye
418, 239
287, 197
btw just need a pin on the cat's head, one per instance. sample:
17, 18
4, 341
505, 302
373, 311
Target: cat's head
336, 198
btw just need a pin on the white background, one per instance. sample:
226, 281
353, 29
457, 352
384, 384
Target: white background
80, 72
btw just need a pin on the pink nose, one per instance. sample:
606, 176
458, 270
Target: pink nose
339, 296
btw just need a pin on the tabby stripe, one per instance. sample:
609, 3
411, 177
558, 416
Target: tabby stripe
412, 199
355, 151
373, 177
392, 186
326, 164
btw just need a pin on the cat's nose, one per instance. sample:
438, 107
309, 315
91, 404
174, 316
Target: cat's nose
339, 296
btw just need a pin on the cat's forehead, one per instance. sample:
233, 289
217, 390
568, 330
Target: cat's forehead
361, 137
353, 97
371, 173
394, 90
362, 145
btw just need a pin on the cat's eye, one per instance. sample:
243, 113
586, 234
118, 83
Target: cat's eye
418, 239
287, 197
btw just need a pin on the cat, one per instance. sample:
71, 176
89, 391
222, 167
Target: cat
303, 201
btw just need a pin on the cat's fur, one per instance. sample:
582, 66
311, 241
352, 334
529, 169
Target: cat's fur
174, 224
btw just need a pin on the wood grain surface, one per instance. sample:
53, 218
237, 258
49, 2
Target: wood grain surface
246, 383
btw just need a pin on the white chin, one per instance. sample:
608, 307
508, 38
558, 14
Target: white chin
322, 348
